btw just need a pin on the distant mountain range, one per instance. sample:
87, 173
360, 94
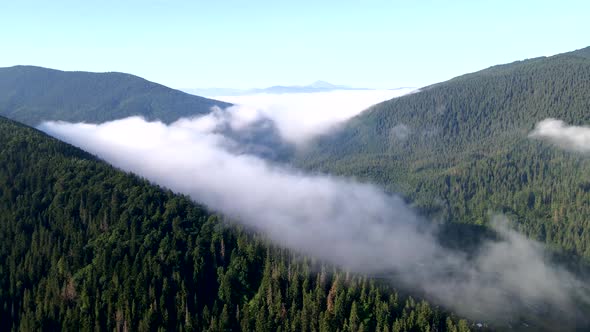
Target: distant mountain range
317, 86
34, 94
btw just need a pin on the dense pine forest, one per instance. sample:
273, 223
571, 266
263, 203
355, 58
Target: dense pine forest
31, 94
460, 149
85, 246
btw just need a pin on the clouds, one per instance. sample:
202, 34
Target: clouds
289, 205
575, 138
400, 132
354, 225
300, 116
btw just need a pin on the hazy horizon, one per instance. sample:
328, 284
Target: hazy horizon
377, 45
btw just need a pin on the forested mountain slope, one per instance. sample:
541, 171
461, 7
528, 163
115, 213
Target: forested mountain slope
460, 149
33, 94
85, 247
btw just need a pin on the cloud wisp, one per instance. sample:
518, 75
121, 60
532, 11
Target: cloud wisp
574, 138
354, 225
301, 116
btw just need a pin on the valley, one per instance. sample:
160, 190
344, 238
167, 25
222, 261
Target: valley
462, 205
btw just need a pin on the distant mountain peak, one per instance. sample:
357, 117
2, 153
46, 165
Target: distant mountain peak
322, 85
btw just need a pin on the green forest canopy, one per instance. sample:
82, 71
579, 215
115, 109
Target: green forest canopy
86, 247
460, 149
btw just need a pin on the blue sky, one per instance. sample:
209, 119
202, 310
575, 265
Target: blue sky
381, 44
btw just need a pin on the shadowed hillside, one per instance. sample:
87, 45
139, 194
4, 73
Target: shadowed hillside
34, 94
86, 247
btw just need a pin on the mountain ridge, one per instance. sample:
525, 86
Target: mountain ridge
32, 94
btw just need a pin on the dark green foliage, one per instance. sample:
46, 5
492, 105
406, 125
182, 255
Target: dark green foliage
33, 94
86, 247
460, 149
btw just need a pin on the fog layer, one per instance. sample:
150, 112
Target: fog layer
575, 138
356, 226
300, 116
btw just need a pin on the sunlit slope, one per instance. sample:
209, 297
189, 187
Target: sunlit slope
460, 149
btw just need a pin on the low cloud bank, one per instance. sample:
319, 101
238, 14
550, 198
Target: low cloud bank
300, 116
575, 138
354, 225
